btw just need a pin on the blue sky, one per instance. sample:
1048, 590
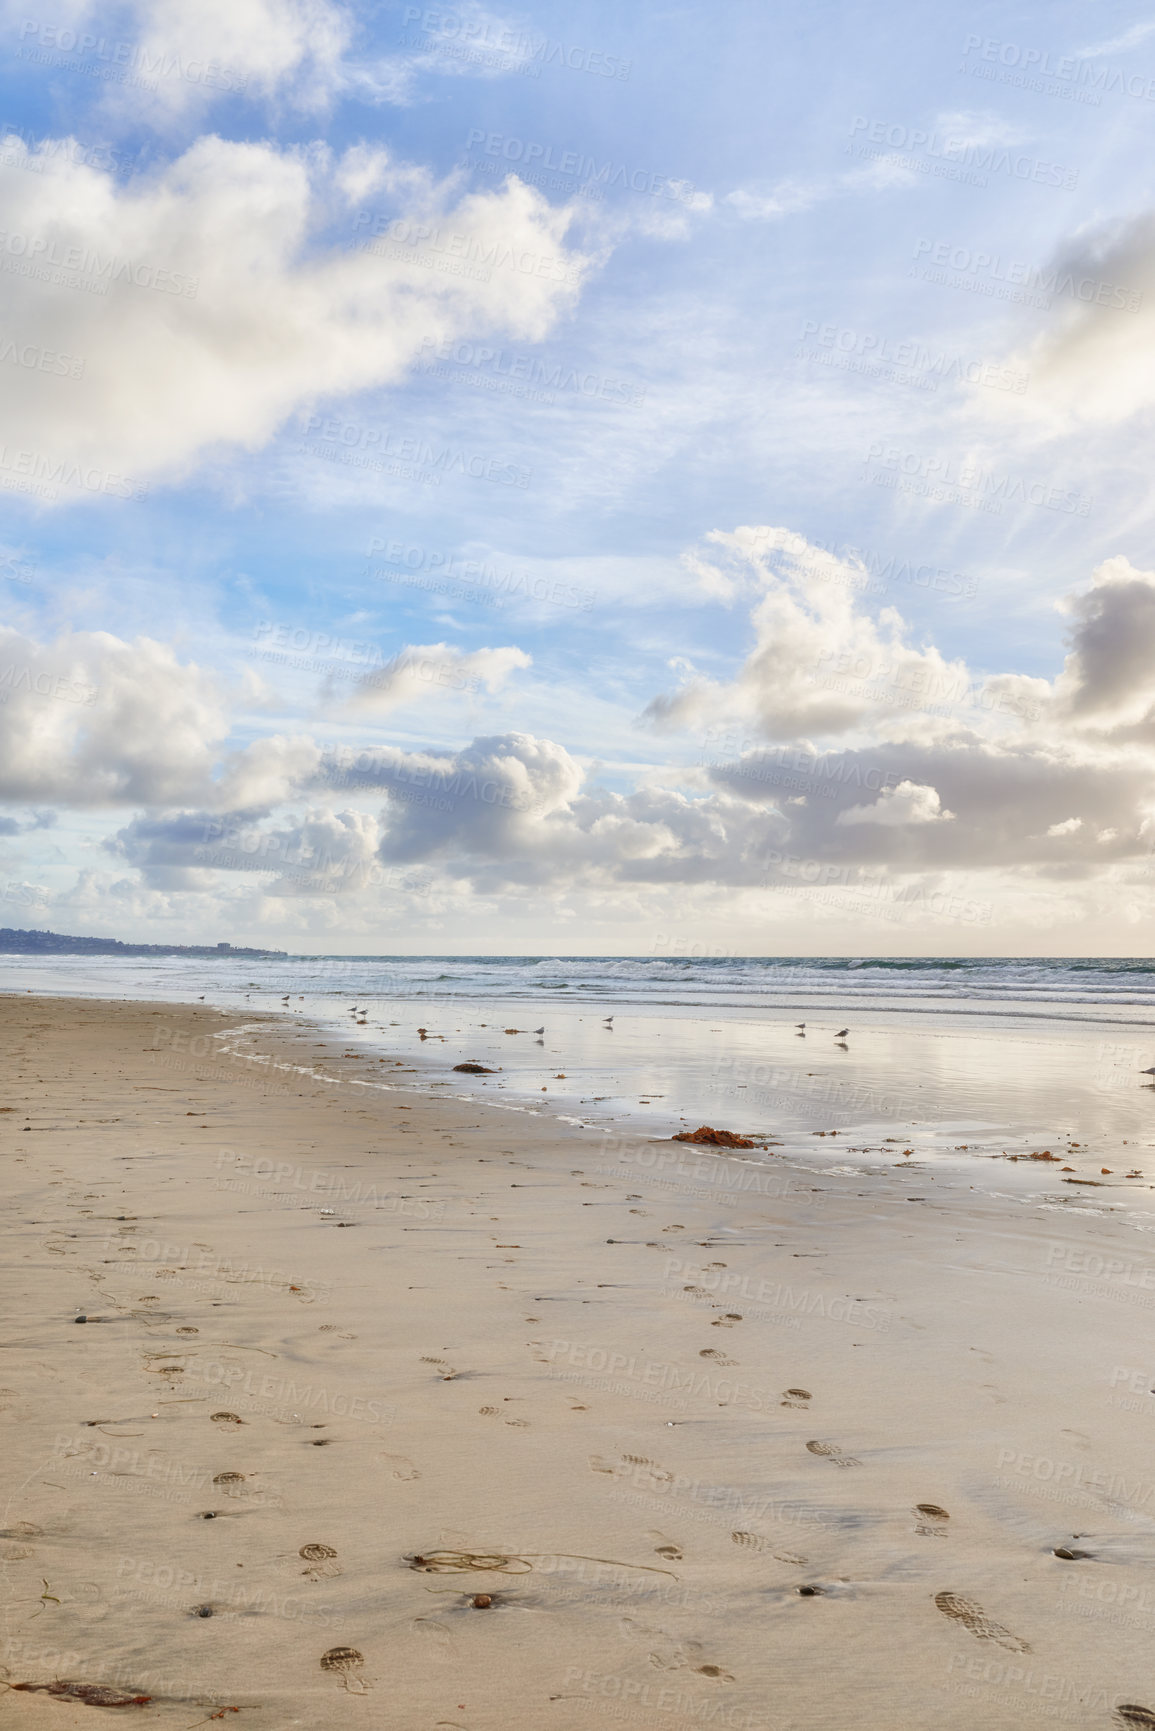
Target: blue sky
695, 467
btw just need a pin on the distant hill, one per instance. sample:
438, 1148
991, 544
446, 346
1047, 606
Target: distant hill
18, 943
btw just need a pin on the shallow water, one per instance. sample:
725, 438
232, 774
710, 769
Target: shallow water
960, 1062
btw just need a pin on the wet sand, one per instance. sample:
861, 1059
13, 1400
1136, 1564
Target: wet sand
685, 1407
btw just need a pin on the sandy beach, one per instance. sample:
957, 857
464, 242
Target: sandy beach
575, 1428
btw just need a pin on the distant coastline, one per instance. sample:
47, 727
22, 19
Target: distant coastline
22, 943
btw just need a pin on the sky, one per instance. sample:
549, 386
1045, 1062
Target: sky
578, 480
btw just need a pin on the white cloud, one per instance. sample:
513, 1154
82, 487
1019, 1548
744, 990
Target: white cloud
226, 309
1117, 44
817, 661
425, 669
906, 803
788, 197
92, 720
1096, 362
176, 60
905, 796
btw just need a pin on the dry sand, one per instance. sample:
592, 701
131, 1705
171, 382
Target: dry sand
689, 1425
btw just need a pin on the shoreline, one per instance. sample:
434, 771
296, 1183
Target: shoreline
632, 1369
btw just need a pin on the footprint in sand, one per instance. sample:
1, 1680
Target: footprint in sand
344, 1662
436, 1636
447, 1371
796, 1397
667, 1547
751, 1541
321, 1560
656, 1471
669, 1653
400, 1466
833, 1453
718, 1357
727, 1321
225, 1418
974, 1619
488, 1411
696, 1291
1134, 1718
931, 1521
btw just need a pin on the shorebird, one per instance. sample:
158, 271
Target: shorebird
1150, 1072
842, 1033
607, 1019
539, 1030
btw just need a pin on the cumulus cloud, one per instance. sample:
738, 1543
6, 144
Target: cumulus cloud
93, 720
817, 660
1096, 362
905, 803
1108, 679
201, 302
1067, 795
